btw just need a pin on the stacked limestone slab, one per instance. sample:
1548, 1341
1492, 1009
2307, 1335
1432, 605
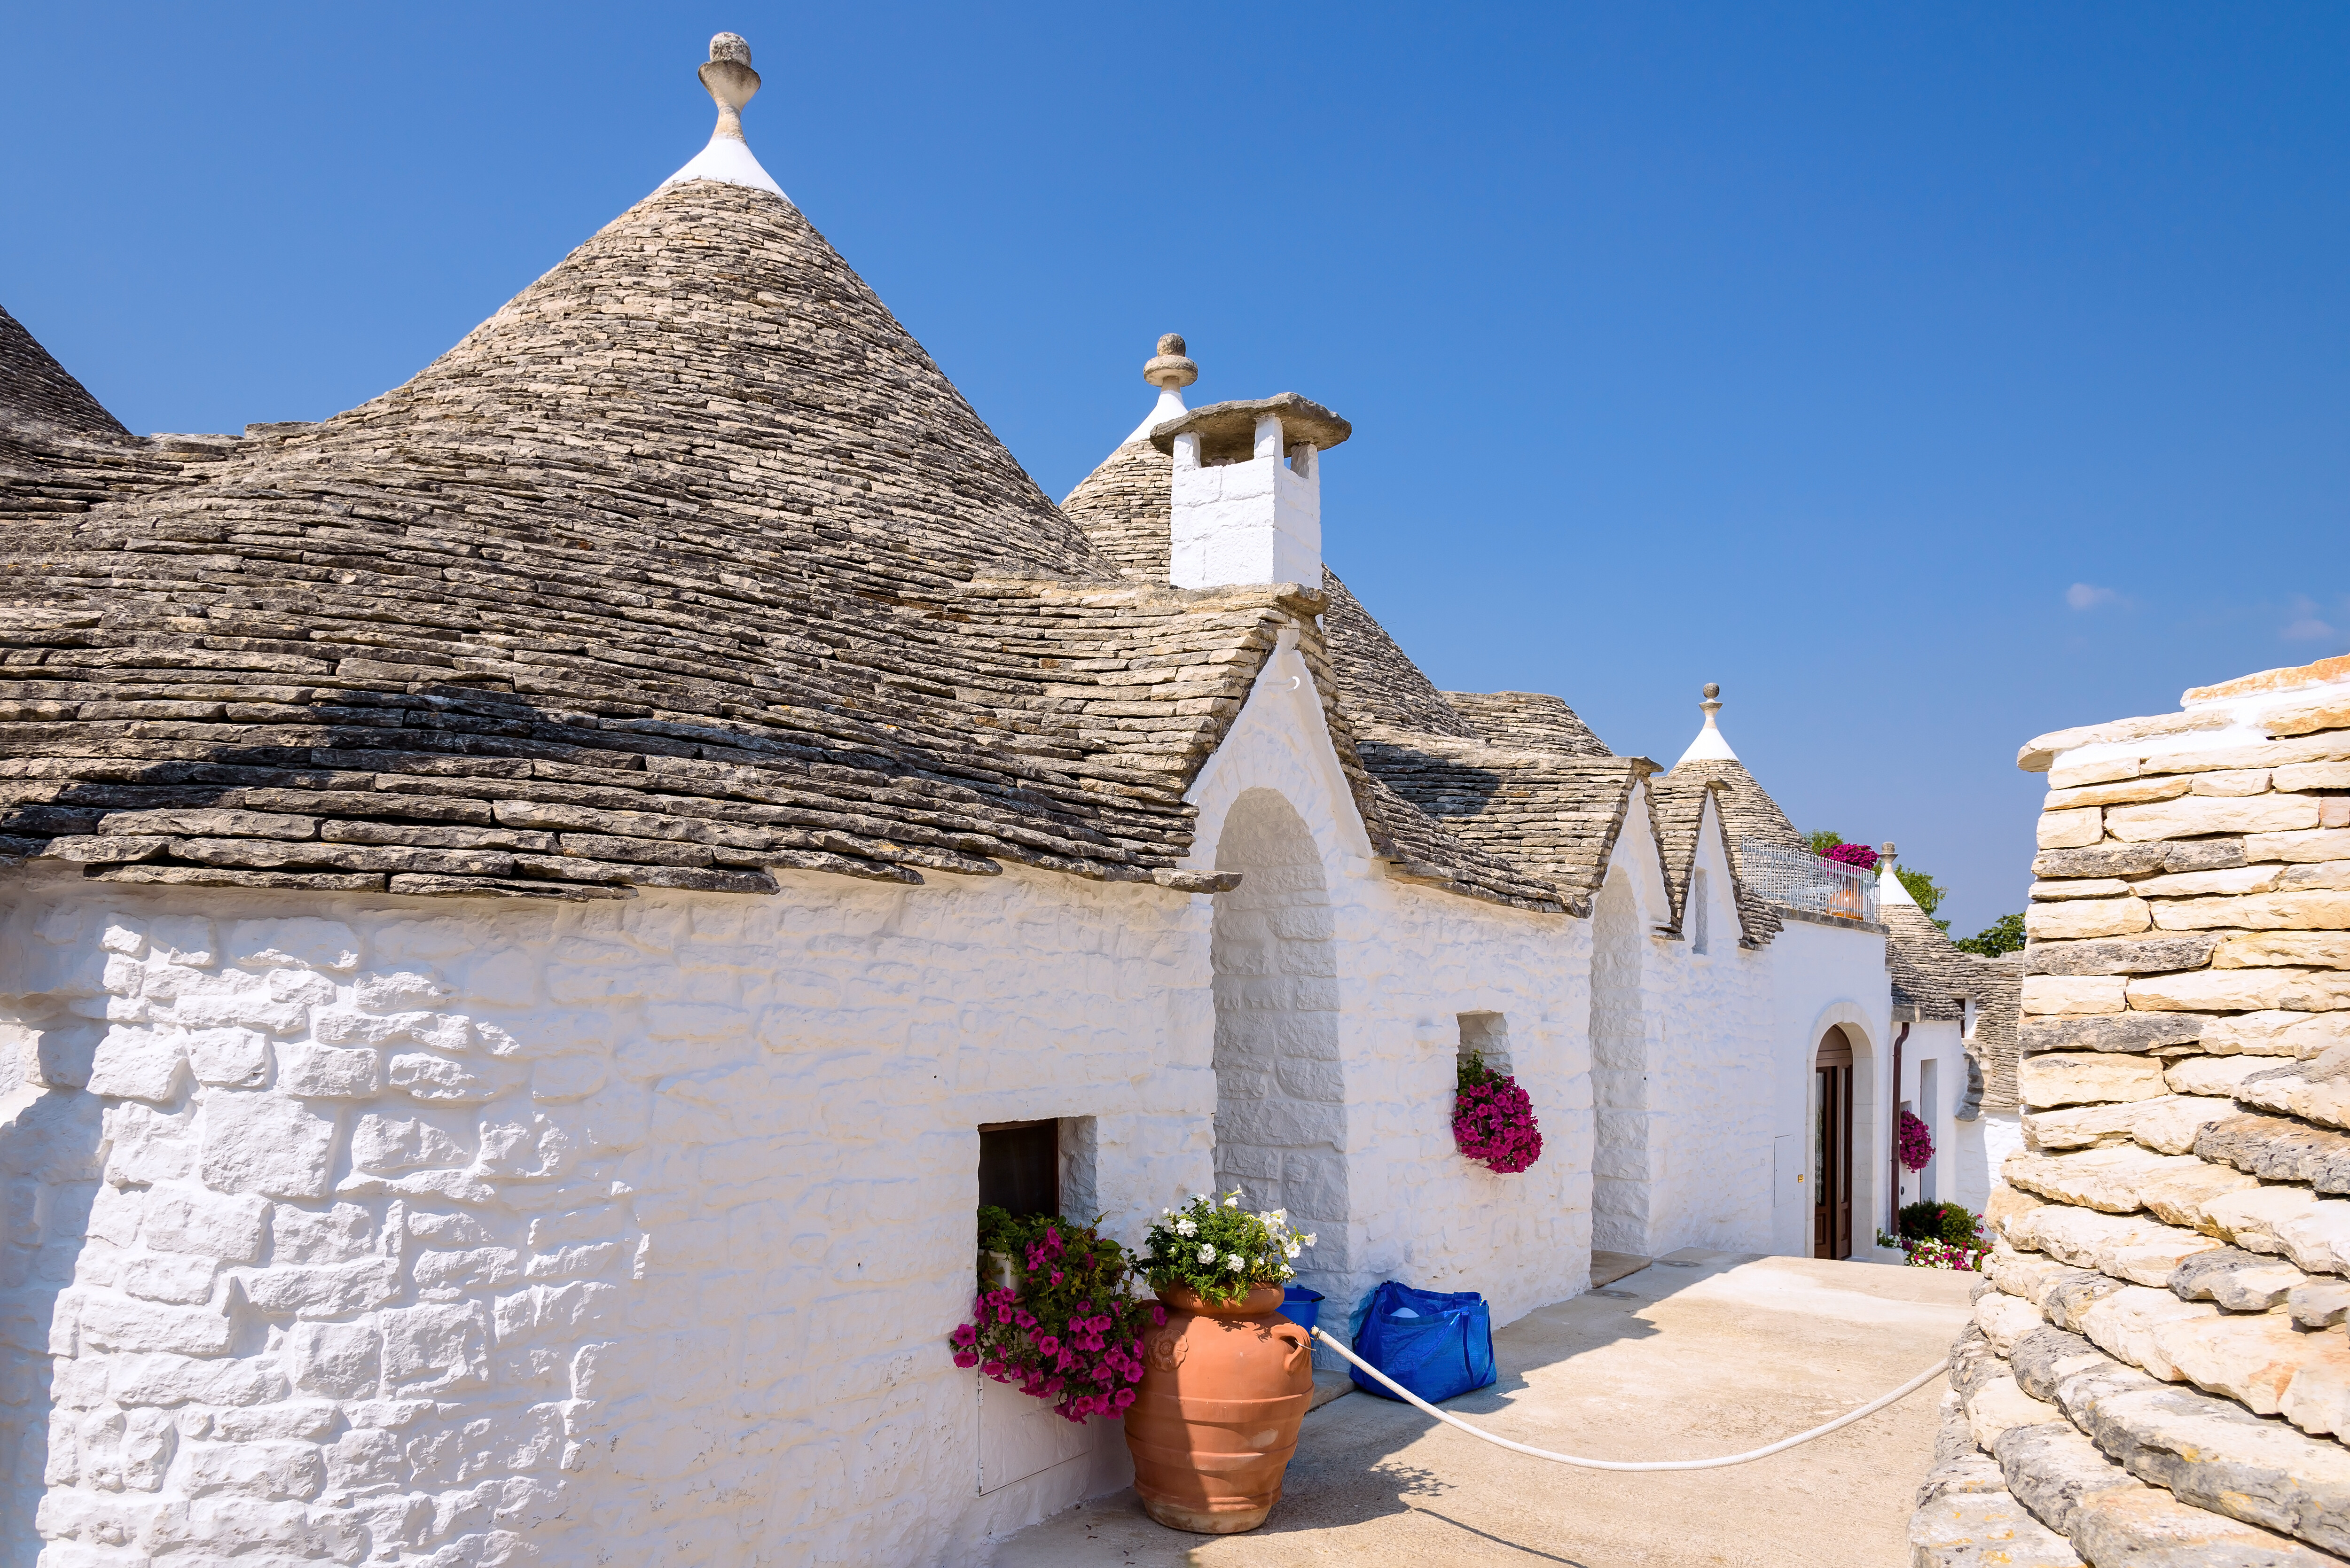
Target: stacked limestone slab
2159, 1371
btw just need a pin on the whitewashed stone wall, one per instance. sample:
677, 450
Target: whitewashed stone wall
377, 1230
1711, 1127
1822, 976
1281, 1093
1409, 963
1622, 1173
623, 1232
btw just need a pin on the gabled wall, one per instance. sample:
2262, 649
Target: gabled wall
1820, 977
1409, 962
1711, 1125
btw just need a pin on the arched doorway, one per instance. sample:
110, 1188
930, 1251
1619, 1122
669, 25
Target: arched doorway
1281, 1109
1831, 1170
1619, 1074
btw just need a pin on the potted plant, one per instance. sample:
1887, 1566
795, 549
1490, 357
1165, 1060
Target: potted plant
1939, 1235
1054, 1316
1226, 1380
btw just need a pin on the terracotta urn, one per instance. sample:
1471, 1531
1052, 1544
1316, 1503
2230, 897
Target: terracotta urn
1215, 1419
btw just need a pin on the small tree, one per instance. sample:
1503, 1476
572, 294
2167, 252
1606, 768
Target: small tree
2004, 935
1823, 840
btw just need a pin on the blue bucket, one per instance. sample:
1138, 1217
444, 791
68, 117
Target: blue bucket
1301, 1306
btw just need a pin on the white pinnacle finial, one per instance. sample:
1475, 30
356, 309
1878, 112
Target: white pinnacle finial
727, 159
1890, 889
1710, 744
1171, 372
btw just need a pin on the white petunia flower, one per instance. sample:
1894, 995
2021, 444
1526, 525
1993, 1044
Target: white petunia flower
1207, 1254
1234, 1260
1291, 1249
1186, 1228
1308, 1238
1233, 1202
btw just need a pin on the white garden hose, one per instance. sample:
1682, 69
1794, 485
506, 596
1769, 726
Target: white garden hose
1871, 1408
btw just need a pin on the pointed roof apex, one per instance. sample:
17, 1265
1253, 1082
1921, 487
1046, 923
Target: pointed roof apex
728, 159
1890, 889
1170, 372
1710, 744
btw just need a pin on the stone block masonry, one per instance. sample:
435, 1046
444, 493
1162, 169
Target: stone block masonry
410, 1233
2157, 1370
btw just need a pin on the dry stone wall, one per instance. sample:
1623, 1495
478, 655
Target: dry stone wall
2158, 1369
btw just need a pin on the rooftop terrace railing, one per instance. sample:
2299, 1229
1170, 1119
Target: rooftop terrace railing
1798, 879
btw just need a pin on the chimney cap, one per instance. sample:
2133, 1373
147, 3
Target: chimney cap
1226, 425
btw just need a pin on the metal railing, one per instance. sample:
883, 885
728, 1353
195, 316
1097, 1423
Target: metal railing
1798, 879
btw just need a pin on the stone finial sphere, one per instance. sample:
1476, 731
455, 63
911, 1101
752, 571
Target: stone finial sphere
1169, 367
730, 47
1712, 690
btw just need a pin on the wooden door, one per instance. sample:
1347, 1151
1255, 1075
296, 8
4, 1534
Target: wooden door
1832, 1158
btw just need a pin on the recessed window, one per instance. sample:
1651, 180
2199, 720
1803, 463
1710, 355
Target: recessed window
1700, 924
1020, 1166
1486, 1036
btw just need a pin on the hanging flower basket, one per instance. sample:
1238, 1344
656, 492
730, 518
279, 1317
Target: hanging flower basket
1916, 1144
1493, 1120
1058, 1322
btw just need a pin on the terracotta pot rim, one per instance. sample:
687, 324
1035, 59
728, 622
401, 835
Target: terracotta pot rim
1184, 1298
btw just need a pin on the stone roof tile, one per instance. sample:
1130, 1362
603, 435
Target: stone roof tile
692, 538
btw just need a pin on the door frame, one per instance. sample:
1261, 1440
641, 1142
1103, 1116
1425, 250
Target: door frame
1832, 1067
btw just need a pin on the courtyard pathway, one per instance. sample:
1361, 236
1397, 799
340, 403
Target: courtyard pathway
1697, 1355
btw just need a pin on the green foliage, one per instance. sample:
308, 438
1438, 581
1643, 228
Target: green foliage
1472, 1073
1220, 1249
1925, 890
1822, 841
1930, 1220
2004, 935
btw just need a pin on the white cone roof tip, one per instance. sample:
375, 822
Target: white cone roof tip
1890, 887
1711, 745
728, 159
1169, 405
1170, 370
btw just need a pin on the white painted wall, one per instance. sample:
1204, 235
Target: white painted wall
1408, 961
424, 1230
1822, 976
1711, 1125
1936, 1049
417, 1229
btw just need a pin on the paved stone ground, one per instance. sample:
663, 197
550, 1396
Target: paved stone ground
1700, 1353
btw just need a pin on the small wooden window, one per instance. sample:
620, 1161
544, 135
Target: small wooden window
1020, 1166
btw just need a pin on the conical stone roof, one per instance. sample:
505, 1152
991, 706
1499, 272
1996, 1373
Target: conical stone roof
36, 390
1125, 507
687, 564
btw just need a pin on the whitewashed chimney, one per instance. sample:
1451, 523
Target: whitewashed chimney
1248, 490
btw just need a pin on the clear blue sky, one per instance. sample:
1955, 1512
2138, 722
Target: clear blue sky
1929, 377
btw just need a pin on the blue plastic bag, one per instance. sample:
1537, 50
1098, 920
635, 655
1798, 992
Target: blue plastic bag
1301, 1306
1435, 1343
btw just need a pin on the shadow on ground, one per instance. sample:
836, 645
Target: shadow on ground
1700, 1353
